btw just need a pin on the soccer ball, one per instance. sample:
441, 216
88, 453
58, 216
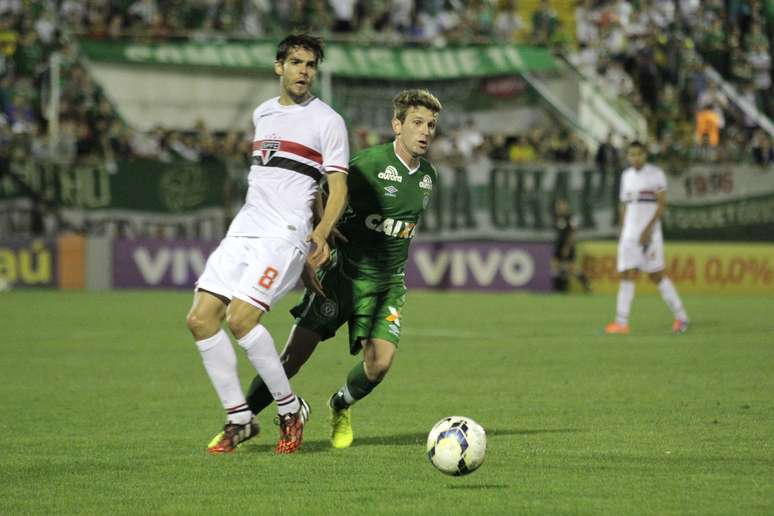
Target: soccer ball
456, 445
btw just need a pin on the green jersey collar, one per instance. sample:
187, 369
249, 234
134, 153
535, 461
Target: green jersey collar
410, 171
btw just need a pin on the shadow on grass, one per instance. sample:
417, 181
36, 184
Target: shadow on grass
495, 432
479, 487
406, 439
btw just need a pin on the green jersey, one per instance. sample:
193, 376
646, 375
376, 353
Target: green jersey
386, 200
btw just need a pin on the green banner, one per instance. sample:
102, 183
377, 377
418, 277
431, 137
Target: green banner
348, 60
494, 201
749, 218
138, 198
146, 185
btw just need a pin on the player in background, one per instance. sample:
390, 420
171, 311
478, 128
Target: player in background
364, 284
298, 140
641, 244
564, 249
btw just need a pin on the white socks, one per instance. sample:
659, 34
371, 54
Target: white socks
263, 355
672, 299
668, 293
220, 361
624, 301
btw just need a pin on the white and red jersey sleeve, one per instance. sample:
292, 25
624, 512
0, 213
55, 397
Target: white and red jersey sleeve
335, 145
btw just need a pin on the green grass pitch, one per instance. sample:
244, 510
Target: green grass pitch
106, 409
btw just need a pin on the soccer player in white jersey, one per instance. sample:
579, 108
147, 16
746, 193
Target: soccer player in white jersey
641, 244
298, 140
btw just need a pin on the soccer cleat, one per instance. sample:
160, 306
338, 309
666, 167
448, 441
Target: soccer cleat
679, 326
341, 426
292, 429
615, 328
232, 436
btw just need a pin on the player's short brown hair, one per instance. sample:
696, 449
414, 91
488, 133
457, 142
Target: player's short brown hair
302, 40
414, 98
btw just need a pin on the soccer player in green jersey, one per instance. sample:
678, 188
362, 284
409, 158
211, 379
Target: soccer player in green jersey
364, 283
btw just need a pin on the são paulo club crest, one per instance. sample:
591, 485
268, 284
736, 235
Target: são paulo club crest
267, 149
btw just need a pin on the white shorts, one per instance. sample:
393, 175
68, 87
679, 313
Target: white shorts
632, 255
258, 271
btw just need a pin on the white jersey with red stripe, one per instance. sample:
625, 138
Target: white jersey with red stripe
638, 193
294, 147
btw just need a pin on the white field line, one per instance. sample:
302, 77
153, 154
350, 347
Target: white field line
448, 334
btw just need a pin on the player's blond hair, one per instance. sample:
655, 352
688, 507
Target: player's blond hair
414, 98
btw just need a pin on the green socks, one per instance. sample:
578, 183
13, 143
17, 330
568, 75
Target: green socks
358, 386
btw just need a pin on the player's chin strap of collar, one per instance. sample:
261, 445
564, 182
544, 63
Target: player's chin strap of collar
289, 164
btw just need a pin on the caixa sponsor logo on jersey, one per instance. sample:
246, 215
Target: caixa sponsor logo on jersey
390, 174
390, 227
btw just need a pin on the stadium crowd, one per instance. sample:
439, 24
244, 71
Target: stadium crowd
653, 52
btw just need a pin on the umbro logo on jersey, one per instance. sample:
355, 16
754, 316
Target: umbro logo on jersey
390, 191
267, 150
390, 174
426, 183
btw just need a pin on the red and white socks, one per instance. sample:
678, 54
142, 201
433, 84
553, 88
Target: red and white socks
220, 361
260, 349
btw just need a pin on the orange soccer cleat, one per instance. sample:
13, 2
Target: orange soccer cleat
616, 328
232, 436
292, 429
679, 326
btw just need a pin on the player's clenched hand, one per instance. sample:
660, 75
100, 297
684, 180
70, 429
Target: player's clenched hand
310, 280
645, 236
320, 252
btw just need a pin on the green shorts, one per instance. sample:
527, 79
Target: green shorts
370, 308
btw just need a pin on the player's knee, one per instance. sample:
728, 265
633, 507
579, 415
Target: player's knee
378, 366
201, 326
240, 325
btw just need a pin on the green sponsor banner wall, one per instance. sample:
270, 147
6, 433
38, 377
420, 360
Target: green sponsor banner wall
350, 60
142, 184
742, 219
485, 201
138, 198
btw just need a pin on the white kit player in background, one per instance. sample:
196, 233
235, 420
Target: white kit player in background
298, 140
641, 244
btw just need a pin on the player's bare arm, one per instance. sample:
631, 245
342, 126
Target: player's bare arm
311, 281
335, 236
621, 218
318, 207
337, 199
647, 232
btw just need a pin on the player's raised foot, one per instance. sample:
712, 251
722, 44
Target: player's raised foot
679, 326
232, 436
616, 328
341, 426
292, 429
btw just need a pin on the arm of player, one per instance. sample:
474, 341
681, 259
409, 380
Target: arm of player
317, 207
647, 232
336, 236
337, 199
621, 218
567, 247
311, 281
